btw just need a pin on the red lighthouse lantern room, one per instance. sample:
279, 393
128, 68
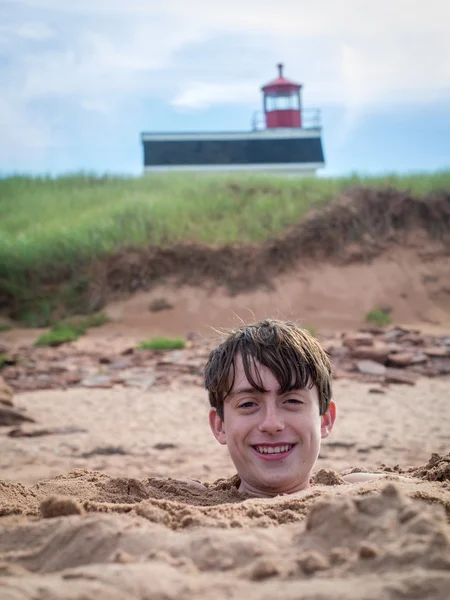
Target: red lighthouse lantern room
282, 106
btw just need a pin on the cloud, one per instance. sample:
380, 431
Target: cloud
389, 79
393, 47
203, 94
24, 135
56, 75
35, 31
101, 62
359, 18
353, 53
96, 55
96, 106
109, 7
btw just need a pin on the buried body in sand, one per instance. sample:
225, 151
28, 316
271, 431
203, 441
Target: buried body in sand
265, 533
271, 402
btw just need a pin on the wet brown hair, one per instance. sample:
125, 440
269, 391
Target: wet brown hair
292, 354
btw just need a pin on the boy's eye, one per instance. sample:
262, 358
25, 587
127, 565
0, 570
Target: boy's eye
294, 401
247, 404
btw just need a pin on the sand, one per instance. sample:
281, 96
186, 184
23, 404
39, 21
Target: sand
411, 281
98, 514
326, 296
88, 535
95, 511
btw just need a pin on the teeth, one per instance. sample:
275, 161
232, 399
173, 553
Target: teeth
273, 449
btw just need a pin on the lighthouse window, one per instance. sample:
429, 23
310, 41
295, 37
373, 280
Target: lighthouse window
289, 101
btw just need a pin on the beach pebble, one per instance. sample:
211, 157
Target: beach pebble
370, 367
60, 506
368, 550
312, 561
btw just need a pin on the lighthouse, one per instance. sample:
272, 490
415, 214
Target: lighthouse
284, 138
282, 102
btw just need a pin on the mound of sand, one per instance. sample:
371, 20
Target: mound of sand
89, 535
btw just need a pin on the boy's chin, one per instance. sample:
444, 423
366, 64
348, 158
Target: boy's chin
273, 485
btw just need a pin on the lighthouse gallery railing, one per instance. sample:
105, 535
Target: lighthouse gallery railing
310, 119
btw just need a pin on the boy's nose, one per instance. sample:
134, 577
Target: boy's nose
271, 421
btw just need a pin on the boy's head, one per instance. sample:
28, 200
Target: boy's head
269, 387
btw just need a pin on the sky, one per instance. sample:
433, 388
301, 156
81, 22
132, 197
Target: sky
81, 79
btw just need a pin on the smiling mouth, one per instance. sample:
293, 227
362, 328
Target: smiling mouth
282, 449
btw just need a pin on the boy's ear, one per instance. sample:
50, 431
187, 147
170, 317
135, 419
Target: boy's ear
217, 426
327, 420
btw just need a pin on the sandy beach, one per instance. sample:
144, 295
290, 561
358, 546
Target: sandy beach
96, 436
91, 507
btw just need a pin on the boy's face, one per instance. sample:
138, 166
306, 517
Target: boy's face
273, 439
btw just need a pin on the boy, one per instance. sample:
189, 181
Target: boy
269, 387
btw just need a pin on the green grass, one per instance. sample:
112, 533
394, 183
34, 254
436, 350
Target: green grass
379, 317
162, 344
64, 223
36, 312
45, 221
58, 336
4, 327
96, 320
3, 360
70, 330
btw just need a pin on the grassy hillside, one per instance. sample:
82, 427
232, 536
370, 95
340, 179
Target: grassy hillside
64, 223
